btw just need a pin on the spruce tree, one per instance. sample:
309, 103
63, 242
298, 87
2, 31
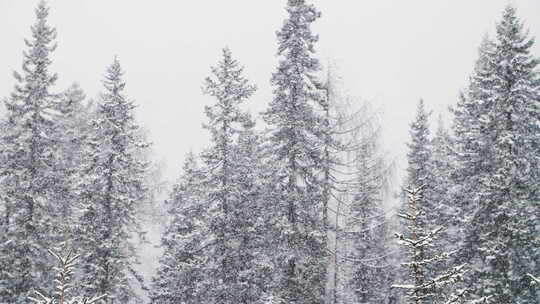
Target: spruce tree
419, 160
72, 131
30, 181
419, 153
441, 167
429, 165
296, 136
499, 235
111, 190
469, 147
424, 285
253, 256
182, 266
225, 118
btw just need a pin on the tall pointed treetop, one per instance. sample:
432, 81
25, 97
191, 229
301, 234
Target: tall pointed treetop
419, 151
35, 81
229, 86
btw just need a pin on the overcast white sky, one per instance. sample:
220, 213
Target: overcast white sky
390, 52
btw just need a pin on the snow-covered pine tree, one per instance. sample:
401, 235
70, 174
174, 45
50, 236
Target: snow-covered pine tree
419, 153
444, 212
425, 287
469, 146
419, 169
252, 247
506, 203
182, 270
72, 130
230, 89
441, 168
467, 154
297, 137
29, 180
75, 123
111, 189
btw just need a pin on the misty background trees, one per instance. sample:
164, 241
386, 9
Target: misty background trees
292, 205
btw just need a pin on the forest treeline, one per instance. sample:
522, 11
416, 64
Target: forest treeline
287, 206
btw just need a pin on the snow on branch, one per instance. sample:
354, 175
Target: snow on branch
67, 262
534, 279
424, 289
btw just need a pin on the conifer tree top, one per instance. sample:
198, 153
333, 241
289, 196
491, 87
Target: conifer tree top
296, 27
113, 78
511, 29
295, 83
227, 84
35, 80
42, 33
